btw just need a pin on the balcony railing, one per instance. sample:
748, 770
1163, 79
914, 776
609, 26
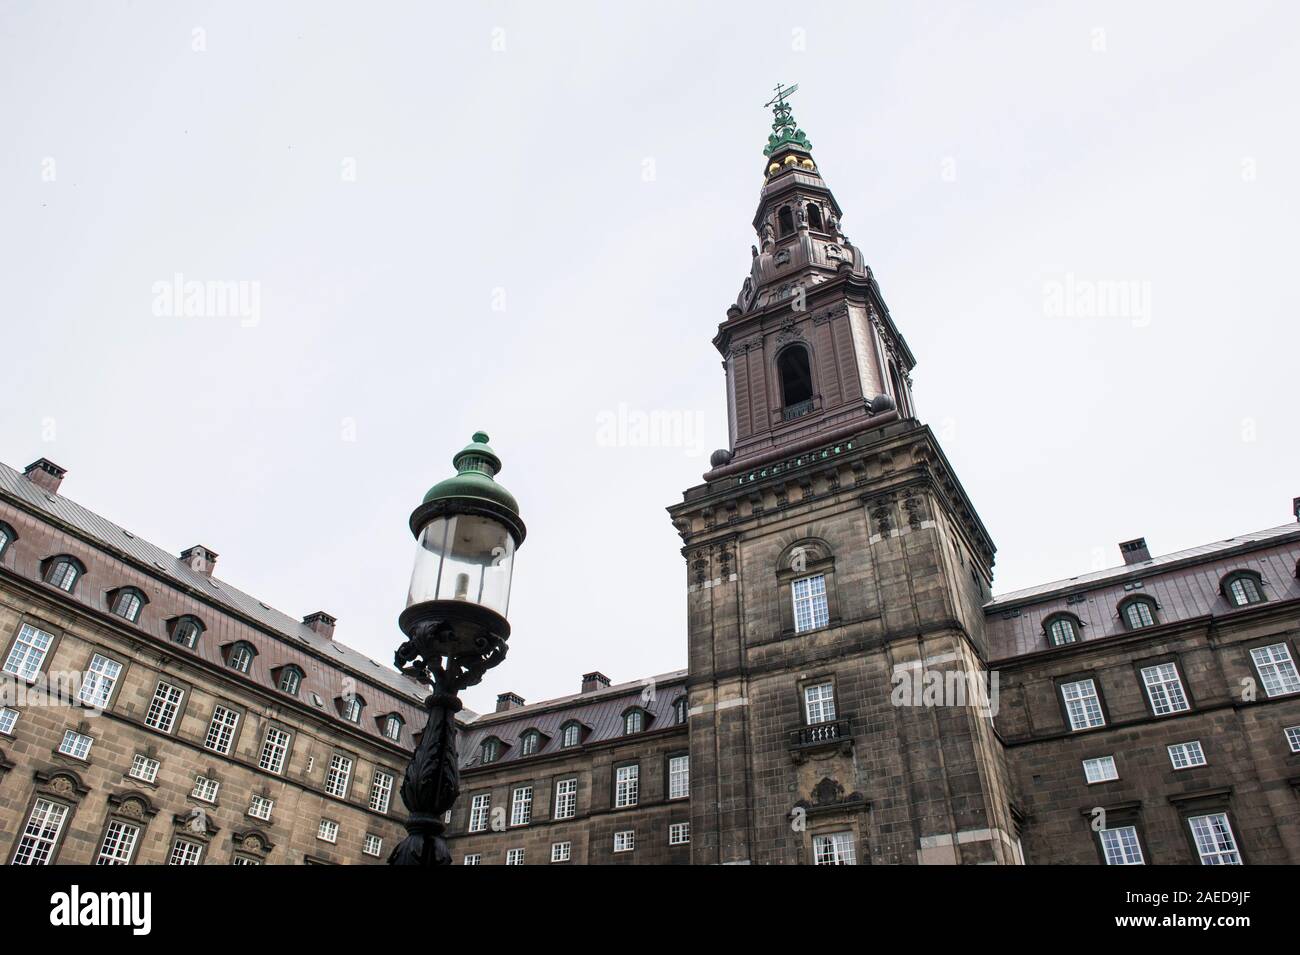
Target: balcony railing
817, 734
797, 410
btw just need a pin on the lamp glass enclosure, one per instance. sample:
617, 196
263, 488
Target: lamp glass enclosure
465, 557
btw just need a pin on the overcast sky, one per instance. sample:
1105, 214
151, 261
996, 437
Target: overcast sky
530, 218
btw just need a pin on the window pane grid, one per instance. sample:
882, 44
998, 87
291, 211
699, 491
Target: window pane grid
1082, 704
679, 777
1165, 689
163, 707
41, 833
1276, 669
1185, 755
119, 842
28, 652
381, 791
834, 848
1121, 846
627, 786
521, 806
100, 678
1214, 840
340, 772
819, 703
810, 610
566, 798
221, 731
274, 749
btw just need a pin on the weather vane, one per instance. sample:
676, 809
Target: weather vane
784, 130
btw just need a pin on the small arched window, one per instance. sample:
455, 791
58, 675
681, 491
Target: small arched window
7, 537
393, 726
186, 631
490, 751
571, 734
530, 743
814, 217
350, 708
127, 603
1242, 588
784, 221
1138, 612
679, 710
241, 656
795, 375
1061, 628
290, 680
63, 572
633, 721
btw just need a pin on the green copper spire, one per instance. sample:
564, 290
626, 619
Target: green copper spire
784, 130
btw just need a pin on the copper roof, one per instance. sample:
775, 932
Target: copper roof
300, 644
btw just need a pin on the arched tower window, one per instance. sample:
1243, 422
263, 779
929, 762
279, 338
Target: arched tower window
784, 221
795, 374
815, 217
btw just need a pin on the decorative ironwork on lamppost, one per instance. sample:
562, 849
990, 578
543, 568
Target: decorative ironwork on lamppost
468, 528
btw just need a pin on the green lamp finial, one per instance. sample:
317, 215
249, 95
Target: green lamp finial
784, 130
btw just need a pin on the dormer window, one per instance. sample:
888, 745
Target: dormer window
290, 680
393, 726
571, 734
530, 743
7, 537
633, 721
1242, 588
1062, 628
63, 572
241, 656
680, 710
1138, 613
186, 631
127, 603
350, 708
490, 751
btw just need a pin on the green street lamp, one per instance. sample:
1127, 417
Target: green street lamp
468, 529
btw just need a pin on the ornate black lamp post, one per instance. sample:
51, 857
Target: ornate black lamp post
468, 528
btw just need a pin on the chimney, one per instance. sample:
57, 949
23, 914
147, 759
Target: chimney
1295, 507
321, 623
200, 559
1135, 551
509, 701
45, 474
595, 680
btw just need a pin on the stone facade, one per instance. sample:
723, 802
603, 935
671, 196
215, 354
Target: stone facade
157, 776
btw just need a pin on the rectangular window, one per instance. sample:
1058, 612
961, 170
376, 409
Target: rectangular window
1276, 669
475, 859
1121, 846
373, 845
259, 807
514, 857
834, 848
142, 767
625, 841
221, 732
381, 791
205, 789
340, 774
1082, 704
8, 717
185, 852
101, 677
679, 777
1165, 689
119, 843
819, 703
28, 652
521, 806
164, 706
1293, 738
810, 610
41, 833
1100, 770
1187, 755
77, 745
1215, 843
566, 798
328, 831
274, 749
479, 807
627, 786
679, 833
244, 860
561, 851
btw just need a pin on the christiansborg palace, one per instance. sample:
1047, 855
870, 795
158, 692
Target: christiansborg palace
853, 692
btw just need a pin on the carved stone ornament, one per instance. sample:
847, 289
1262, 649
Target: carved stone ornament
789, 331
827, 791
